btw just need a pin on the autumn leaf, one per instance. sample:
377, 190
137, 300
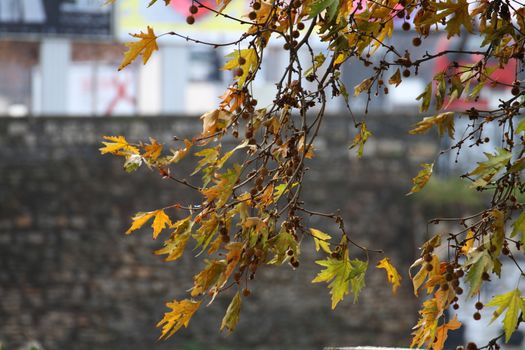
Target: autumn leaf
161, 221
180, 315
207, 277
145, 47
241, 71
118, 146
395, 79
514, 303
153, 150
365, 85
421, 179
393, 276
281, 244
231, 318
175, 245
360, 139
443, 121
321, 240
469, 242
519, 226
442, 332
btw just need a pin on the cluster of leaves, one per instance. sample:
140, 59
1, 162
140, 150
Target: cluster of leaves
251, 213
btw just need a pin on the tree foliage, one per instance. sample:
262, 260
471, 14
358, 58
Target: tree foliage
251, 213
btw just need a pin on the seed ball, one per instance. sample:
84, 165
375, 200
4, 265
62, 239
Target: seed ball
444, 287
241, 60
416, 41
385, 90
427, 257
256, 6
286, 46
296, 4
459, 273
515, 90
300, 25
252, 15
246, 292
505, 251
449, 277
479, 305
429, 267
190, 20
455, 283
406, 73
459, 290
477, 316
455, 306
406, 26
295, 263
194, 9
239, 72
295, 34
289, 252
472, 346
400, 14
253, 102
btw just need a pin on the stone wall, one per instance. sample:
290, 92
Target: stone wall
70, 279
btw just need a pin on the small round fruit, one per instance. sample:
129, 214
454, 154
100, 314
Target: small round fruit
194, 9
477, 316
427, 257
239, 72
479, 305
472, 346
455, 306
515, 90
406, 26
505, 251
252, 15
190, 20
416, 41
406, 73
300, 25
429, 267
459, 290
256, 6
241, 60
246, 292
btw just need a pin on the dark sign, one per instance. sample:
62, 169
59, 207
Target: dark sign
56, 17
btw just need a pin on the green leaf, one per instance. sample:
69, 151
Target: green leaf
339, 273
231, 318
318, 6
479, 262
491, 167
513, 303
519, 226
318, 62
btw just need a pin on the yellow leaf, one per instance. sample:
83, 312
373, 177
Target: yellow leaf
249, 57
153, 150
321, 240
180, 315
469, 242
181, 153
214, 121
393, 276
365, 85
231, 318
145, 47
360, 139
444, 122
207, 277
139, 220
395, 79
421, 179
118, 146
175, 245
442, 332
514, 303
160, 222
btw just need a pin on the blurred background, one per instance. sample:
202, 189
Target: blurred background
70, 279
